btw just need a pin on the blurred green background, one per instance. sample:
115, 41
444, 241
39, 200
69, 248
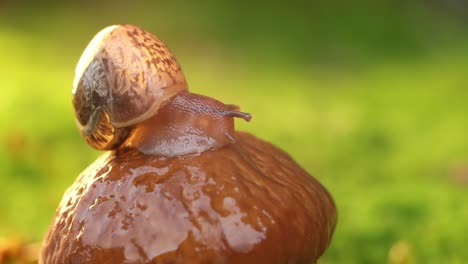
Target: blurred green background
369, 96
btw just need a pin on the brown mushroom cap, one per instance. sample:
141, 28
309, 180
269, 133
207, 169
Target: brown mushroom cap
247, 202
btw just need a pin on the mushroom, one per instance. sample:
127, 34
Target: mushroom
177, 184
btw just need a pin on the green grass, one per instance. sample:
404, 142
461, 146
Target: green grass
383, 137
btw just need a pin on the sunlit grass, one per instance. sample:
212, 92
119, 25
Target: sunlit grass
381, 136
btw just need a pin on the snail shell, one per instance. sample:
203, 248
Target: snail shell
122, 78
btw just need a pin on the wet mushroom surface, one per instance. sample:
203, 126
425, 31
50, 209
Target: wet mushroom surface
248, 202
181, 185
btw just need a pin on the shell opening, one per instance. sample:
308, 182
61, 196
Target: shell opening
101, 134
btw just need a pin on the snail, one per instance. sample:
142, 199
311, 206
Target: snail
124, 77
177, 183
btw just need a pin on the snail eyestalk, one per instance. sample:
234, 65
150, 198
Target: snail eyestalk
246, 116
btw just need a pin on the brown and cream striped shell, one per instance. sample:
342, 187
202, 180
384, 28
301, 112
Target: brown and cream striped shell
122, 78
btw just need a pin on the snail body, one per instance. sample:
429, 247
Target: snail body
179, 184
188, 124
